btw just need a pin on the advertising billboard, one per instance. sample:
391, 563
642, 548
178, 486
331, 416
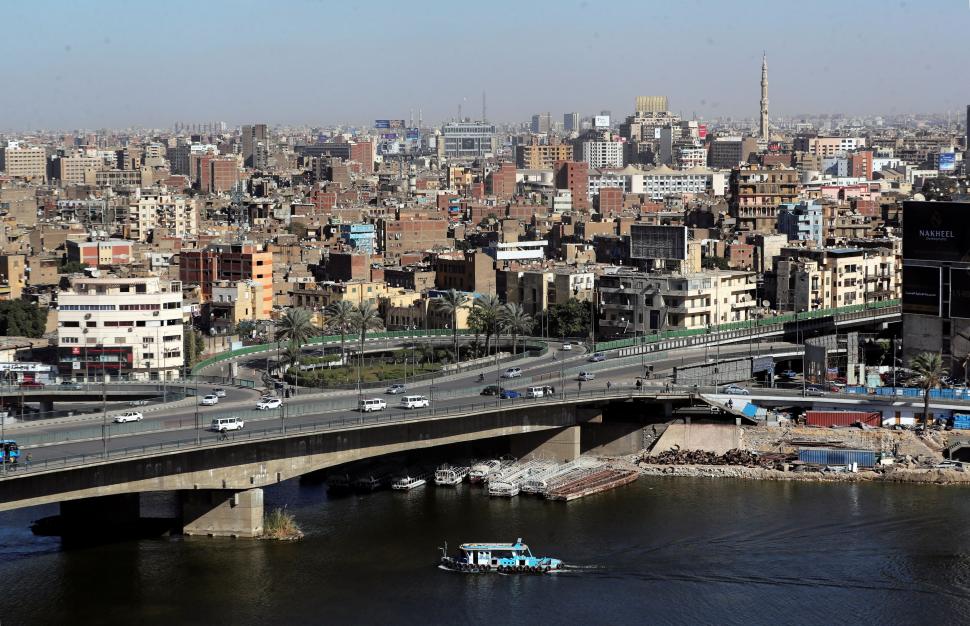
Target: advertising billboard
648, 241
960, 293
412, 133
936, 231
921, 290
601, 121
948, 161
389, 124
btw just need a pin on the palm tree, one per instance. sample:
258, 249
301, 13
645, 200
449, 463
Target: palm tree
928, 366
292, 356
341, 315
295, 325
449, 303
489, 308
365, 317
516, 321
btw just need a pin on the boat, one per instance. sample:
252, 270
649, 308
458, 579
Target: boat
504, 558
339, 482
407, 483
372, 481
508, 482
481, 471
447, 476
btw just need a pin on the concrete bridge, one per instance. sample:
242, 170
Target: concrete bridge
219, 483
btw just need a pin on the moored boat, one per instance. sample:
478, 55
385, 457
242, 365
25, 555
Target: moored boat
407, 483
504, 558
448, 476
482, 470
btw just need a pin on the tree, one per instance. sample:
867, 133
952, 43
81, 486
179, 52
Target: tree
449, 303
19, 318
292, 355
71, 267
928, 367
365, 317
340, 315
487, 309
569, 319
715, 262
515, 320
296, 326
193, 344
246, 328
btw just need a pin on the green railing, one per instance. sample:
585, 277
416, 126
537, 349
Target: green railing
745, 325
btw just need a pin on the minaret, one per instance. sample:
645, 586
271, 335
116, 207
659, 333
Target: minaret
764, 97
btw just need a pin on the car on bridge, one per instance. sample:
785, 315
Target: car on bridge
129, 416
267, 404
789, 374
31, 384
396, 388
567, 347
414, 402
219, 392
597, 357
492, 390
509, 394
223, 424
735, 390
814, 390
209, 400
586, 377
512, 372
372, 404
69, 386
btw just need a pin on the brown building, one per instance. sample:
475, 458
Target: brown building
756, 193
346, 266
233, 262
100, 253
537, 156
860, 164
501, 182
416, 278
363, 153
219, 173
574, 176
411, 234
472, 271
610, 201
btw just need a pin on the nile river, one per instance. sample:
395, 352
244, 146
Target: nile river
662, 550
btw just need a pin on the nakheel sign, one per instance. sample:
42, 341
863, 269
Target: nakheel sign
936, 231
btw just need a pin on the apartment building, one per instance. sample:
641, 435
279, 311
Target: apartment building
757, 192
542, 156
120, 329
827, 147
157, 209
232, 262
23, 162
410, 234
599, 154
808, 280
232, 303
72, 169
100, 253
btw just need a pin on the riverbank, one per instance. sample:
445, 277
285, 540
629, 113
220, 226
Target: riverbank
930, 476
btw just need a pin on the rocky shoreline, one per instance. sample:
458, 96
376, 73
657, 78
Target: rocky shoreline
889, 475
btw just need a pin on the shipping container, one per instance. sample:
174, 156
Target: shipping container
832, 456
842, 418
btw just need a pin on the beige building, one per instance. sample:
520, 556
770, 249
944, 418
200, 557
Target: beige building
808, 280
152, 210
232, 303
537, 290
72, 169
121, 328
22, 162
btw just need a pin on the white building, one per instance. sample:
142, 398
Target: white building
663, 181
159, 209
124, 328
601, 154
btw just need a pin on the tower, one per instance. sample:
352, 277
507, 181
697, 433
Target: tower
764, 97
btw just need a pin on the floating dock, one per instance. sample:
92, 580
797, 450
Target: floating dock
596, 481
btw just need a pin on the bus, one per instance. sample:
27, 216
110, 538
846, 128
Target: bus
9, 451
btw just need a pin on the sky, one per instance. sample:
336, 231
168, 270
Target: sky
66, 64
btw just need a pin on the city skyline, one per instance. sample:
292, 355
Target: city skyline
274, 65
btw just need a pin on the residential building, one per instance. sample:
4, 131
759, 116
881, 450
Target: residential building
801, 221
29, 163
255, 146
827, 147
360, 237
232, 303
234, 262
808, 280
120, 329
757, 192
152, 210
13, 275
600, 154
471, 270
660, 182
73, 168
409, 233
730, 152
100, 253
574, 176
539, 156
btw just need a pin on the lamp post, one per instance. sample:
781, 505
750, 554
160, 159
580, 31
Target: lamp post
104, 405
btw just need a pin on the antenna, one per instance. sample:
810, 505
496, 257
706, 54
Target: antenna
459, 111
484, 118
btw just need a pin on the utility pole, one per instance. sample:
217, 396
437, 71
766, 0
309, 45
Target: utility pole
104, 406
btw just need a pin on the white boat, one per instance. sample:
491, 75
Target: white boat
508, 482
481, 471
406, 483
447, 476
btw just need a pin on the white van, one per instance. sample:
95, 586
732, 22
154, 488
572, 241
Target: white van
222, 424
414, 402
539, 392
374, 404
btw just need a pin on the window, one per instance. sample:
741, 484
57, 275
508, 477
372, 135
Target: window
69, 340
138, 307
71, 324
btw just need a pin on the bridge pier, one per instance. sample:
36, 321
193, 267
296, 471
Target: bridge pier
101, 514
46, 406
560, 444
222, 512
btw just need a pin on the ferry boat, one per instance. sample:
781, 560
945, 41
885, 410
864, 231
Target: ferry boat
505, 558
447, 476
407, 483
481, 471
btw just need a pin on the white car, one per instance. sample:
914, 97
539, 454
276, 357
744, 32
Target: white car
567, 347
269, 403
414, 402
373, 404
209, 400
512, 372
128, 416
396, 388
586, 376
219, 393
734, 390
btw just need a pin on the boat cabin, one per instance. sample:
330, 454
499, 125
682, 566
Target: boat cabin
497, 554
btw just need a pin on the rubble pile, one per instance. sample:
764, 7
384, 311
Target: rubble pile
746, 458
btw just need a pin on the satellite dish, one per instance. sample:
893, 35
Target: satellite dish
765, 303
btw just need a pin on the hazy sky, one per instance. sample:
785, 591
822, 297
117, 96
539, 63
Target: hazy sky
100, 63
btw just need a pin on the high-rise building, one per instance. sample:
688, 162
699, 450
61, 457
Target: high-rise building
468, 140
764, 98
541, 123
758, 192
538, 156
23, 162
968, 128
255, 146
651, 104
574, 176
570, 121
603, 153
120, 328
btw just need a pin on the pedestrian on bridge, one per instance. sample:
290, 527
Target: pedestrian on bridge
580, 384
609, 385
28, 460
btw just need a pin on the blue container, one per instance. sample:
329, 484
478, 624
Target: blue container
833, 456
912, 391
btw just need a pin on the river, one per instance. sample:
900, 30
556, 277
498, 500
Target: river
662, 550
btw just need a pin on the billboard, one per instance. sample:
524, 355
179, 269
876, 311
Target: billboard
960, 293
936, 231
921, 290
389, 124
648, 241
601, 121
948, 161
412, 133
388, 136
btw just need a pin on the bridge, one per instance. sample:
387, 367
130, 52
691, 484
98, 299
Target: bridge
95, 469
